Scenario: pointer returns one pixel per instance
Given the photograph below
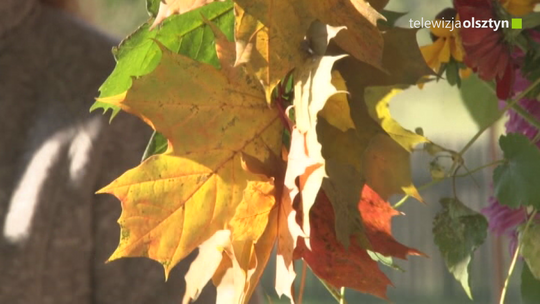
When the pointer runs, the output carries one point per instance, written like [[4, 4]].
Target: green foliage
[[187, 34], [515, 180], [531, 68], [458, 231], [152, 6], [156, 145], [530, 287], [530, 249], [479, 100]]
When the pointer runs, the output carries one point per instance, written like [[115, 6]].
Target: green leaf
[[480, 100], [530, 250], [156, 145], [531, 20], [516, 180], [531, 67], [530, 287], [385, 260], [186, 34], [152, 6], [452, 73], [458, 231]]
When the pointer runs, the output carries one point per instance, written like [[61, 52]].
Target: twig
[[302, 282], [436, 181], [514, 258]]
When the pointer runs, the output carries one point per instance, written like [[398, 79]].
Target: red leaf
[[352, 267]]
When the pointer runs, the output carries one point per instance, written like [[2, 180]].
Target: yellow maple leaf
[[270, 34], [175, 201]]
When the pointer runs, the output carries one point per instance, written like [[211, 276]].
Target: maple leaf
[[139, 55], [269, 39], [358, 140], [312, 90], [175, 201], [242, 251], [171, 7], [378, 148], [352, 267], [209, 257], [360, 155], [402, 62]]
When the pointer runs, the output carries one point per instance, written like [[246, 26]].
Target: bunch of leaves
[[204, 80]]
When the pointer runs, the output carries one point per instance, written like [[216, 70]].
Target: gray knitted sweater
[[55, 232]]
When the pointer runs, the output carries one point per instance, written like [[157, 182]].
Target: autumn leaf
[[139, 55], [288, 234], [382, 142], [364, 154], [270, 42], [175, 201], [378, 102], [312, 90], [209, 257], [352, 267], [171, 7], [402, 62]]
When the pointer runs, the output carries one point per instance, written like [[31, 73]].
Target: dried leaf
[[352, 267], [175, 201], [270, 41]]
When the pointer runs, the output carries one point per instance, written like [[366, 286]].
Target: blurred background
[[447, 119]]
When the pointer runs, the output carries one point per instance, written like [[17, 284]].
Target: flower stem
[[509, 104], [302, 282], [436, 181], [333, 292], [514, 258]]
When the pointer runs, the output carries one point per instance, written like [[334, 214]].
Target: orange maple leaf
[[352, 267]]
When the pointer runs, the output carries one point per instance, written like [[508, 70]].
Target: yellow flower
[[446, 45], [519, 7]]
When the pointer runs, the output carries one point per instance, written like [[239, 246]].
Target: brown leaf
[[269, 40]]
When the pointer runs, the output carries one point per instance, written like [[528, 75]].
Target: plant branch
[[436, 181], [333, 292], [302, 282], [514, 258], [509, 104]]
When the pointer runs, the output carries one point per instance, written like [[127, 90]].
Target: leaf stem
[[436, 181], [509, 104], [302, 282], [342, 293], [514, 258], [517, 108], [333, 292]]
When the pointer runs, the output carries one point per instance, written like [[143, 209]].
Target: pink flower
[[504, 221]]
